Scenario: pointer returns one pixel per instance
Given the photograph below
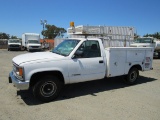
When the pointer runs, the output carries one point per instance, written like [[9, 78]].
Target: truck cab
[[148, 42], [14, 44], [144, 42], [33, 45]]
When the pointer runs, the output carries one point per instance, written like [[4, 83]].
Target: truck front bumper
[[19, 84], [19, 47]]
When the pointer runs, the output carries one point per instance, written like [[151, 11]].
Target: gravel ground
[[96, 100]]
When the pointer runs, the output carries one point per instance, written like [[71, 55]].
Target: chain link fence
[[3, 43]]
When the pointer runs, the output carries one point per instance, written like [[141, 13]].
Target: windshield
[[65, 47], [143, 40], [14, 41], [33, 41]]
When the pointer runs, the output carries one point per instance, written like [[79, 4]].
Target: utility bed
[[119, 59]]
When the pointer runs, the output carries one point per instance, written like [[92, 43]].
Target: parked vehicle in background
[[14, 44], [148, 42], [31, 41]]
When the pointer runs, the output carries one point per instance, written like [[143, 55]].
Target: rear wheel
[[132, 76], [48, 88]]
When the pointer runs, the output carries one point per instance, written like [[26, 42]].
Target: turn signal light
[[20, 72]]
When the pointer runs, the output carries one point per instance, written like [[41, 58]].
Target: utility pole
[[43, 23]]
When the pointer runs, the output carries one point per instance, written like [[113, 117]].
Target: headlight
[[18, 72]]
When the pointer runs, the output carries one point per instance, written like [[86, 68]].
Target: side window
[[89, 49]]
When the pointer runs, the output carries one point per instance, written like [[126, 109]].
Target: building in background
[[47, 44]]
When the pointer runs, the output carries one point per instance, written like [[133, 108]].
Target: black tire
[[48, 88], [8, 49], [132, 76], [158, 55]]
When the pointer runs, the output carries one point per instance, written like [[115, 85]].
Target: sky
[[23, 16]]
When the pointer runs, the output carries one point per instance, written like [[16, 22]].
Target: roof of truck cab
[[82, 39], [31, 33]]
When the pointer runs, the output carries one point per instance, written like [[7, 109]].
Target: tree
[[155, 35], [52, 31], [14, 37], [136, 36], [4, 36]]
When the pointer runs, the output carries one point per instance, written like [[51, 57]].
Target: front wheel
[[48, 88], [159, 55], [132, 76]]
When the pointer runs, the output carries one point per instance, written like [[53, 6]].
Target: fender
[[131, 65], [61, 66]]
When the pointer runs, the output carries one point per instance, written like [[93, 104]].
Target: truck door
[[88, 63]]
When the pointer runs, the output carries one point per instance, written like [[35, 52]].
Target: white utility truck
[[31, 41], [14, 44], [77, 60], [148, 42]]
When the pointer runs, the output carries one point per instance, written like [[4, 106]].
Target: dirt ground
[[108, 99]]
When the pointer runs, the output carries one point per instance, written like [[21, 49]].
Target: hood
[[14, 43], [140, 45], [38, 56], [29, 44]]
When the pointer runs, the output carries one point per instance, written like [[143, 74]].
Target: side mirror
[[77, 54]]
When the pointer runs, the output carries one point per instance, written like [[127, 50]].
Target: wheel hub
[[48, 89], [133, 76]]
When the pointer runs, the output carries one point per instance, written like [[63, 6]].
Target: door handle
[[101, 61]]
